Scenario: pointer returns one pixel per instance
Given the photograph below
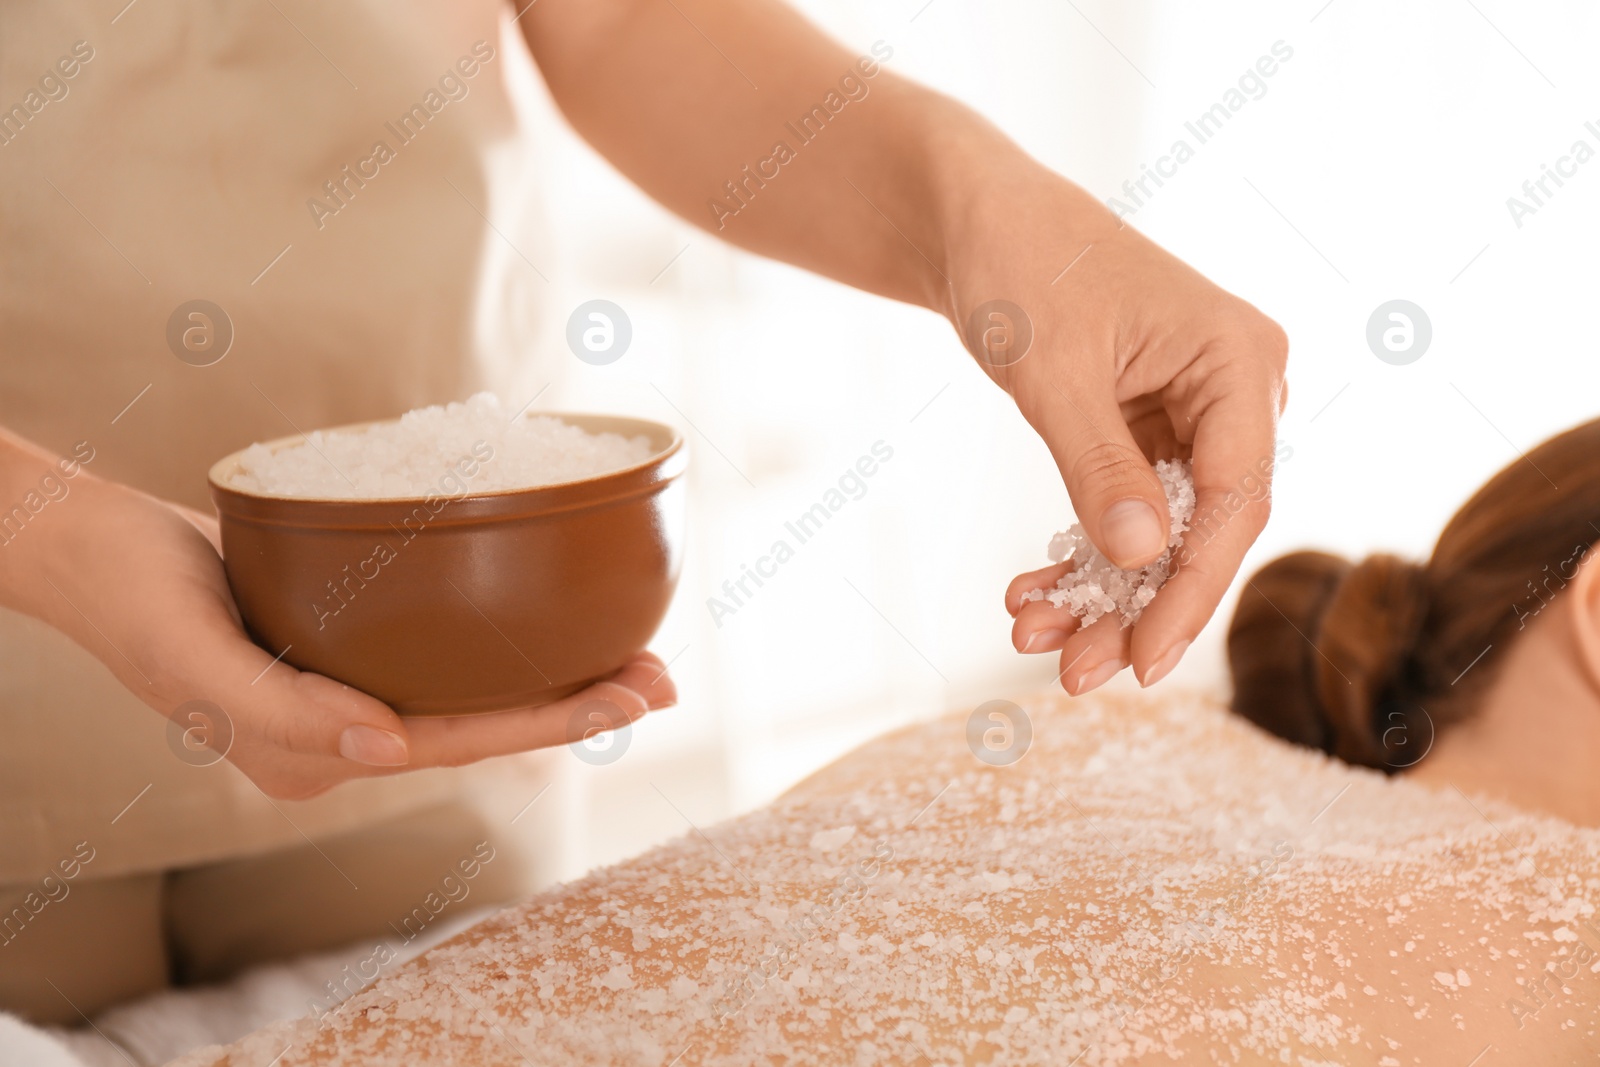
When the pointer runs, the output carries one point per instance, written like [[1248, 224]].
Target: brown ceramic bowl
[[476, 603]]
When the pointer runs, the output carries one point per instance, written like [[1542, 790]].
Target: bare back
[[1153, 880]]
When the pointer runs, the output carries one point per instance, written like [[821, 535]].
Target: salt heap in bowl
[[429, 450], [1095, 586]]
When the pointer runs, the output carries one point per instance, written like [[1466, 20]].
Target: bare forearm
[[743, 118], [35, 516]]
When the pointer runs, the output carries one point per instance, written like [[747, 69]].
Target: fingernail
[[1098, 677], [1043, 640], [372, 746], [1164, 665], [1131, 532], [624, 717]]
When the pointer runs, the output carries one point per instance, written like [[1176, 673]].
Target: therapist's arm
[[138, 583], [888, 186]]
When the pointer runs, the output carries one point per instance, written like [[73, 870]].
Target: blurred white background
[[1377, 165]]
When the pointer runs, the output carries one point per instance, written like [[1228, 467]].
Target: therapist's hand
[[1134, 357], [139, 583], [912, 195]]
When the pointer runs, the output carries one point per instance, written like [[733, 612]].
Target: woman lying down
[[1154, 880]]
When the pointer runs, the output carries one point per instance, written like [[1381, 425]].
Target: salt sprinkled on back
[[1095, 586], [1172, 884]]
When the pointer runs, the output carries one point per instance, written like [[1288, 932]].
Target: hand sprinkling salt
[[1095, 586]]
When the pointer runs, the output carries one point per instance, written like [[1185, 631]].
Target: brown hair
[[1365, 660]]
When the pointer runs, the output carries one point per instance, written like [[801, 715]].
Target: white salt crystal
[[828, 840], [997, 881], [618, 977], [1095, 586], [476, 446]]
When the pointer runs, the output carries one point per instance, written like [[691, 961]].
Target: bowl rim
[[675, 442]]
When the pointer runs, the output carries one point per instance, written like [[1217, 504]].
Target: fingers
[[1044, 578], [1093, 655], [647, 676], [1114, 490], [1090, 656], [1234, 454], [1042, 627], [638, 688]]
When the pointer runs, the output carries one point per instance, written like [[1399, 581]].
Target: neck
[[1534, 741]]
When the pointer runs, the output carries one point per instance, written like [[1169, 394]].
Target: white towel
[[22, 1045], [163, 1026]]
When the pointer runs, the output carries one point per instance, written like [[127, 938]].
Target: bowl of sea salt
[[460, 558]]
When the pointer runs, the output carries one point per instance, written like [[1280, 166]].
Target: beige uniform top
[[168, 151]]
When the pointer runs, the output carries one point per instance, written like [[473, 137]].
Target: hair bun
[[1320, 652]]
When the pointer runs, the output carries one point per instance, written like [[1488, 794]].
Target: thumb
[[1114, 490], [338, 719], [297, 713], [307, 733]]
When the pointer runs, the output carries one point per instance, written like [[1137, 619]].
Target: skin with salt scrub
[[1116, 898]]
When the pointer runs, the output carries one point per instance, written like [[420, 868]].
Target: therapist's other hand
[[1134, 356], [141, 586]]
